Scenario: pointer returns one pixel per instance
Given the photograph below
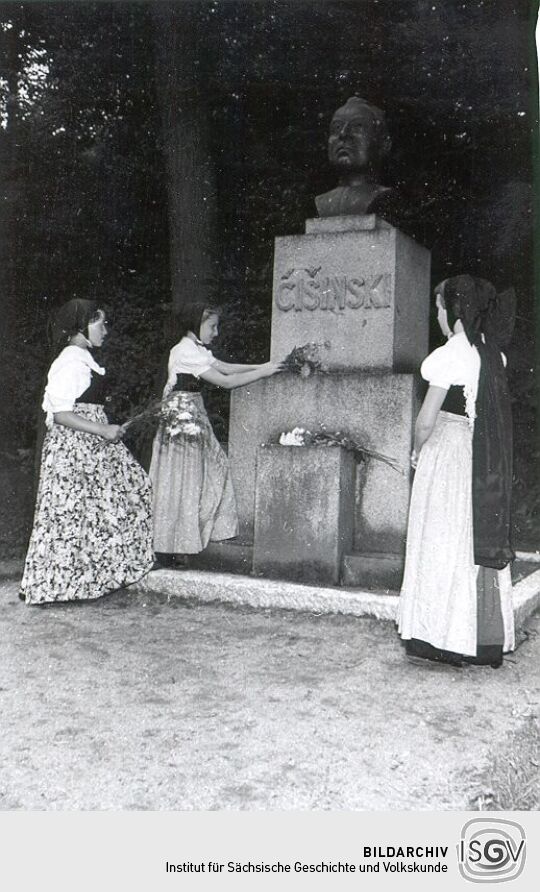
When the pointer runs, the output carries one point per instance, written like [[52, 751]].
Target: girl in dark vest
[[456, 599], [194, 500], [92, 529]]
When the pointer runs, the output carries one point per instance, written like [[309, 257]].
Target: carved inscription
[[298, 291]]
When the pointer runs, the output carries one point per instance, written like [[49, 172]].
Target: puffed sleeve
[[187, 358], [439, 368], [66, 380]]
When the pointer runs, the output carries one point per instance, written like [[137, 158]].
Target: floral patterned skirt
[[92, 530], [194, 499]]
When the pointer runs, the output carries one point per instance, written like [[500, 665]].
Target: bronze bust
[[357, 145]]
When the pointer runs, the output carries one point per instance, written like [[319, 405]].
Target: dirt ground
[[127, 704]]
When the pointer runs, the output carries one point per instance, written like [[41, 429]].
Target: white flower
[[293, 438], [191, 429]]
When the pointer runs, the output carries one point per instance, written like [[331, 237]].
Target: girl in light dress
[[456, 598], [92, 529], [193, 496]]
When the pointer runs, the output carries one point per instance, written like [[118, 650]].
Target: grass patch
[[512, 783]]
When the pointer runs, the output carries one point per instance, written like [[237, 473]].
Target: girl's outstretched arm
[[238, 379], [232, 368]]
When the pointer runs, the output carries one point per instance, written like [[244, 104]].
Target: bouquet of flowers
[[306, 359], [181, 418], [179, 414], [299, 436]]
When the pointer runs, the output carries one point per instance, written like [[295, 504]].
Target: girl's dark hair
[[471, 299], [192, 316], [70, 319]]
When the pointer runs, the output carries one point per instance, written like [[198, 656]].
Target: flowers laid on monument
[[179, 414], [306, 359], [295, 437], [299, 436]]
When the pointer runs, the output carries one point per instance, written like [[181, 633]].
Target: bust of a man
[[357, 145]]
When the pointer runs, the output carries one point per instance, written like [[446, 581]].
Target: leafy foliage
[[86, 187], [83, 176]]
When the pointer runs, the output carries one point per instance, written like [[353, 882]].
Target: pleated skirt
[[193, 495], [92, 531], [439, 595]]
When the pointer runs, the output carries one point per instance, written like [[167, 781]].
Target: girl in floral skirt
[[92, 529]]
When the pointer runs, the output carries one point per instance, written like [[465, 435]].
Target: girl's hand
[[270, 368], [112, 432], [414, 459]]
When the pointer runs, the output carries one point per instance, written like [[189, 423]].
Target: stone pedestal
[[358, 283], [363, 286], [303, 512], [377, 409]]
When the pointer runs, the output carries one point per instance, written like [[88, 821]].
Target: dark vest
[[188, 383], [96, 393], [454, 401]]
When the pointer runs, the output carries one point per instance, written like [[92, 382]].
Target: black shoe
[[424, 651], [487, 655], [22, 596], [180, 562], [163, 561]]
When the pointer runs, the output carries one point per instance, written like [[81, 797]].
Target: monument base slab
[[303, 512], [375, 572]]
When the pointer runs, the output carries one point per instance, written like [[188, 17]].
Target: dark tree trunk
[[180, 38], [11, 185]]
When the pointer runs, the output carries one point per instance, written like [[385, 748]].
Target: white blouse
[[187, 358], [69, 376], [457, 362]]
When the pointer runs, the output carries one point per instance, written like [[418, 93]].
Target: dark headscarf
[[72, 318], [488, 320]]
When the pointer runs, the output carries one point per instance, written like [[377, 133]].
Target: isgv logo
[[491, 851]]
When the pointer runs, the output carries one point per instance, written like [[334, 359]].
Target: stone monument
[[355, 281]]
